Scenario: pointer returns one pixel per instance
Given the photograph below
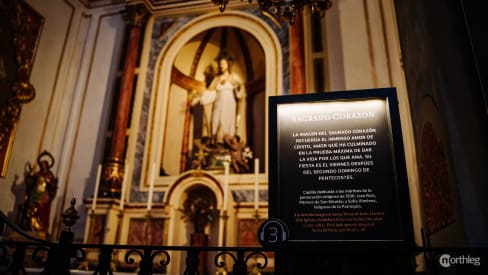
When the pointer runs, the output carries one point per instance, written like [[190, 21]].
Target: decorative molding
[[90, 4]]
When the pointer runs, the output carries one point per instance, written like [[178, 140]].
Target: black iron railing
[[32, 255], [46, 258], [58, 259]]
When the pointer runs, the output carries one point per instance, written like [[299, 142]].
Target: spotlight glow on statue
[[227, 111]]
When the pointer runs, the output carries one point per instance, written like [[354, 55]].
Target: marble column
[[113, 166], [297, 57]]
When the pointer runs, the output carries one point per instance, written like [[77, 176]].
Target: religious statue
[[238, 161], [221, 131], [40, 188], [200, 209], [228, 109], [204, 153]]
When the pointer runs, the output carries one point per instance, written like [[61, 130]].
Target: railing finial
[[70, 216]]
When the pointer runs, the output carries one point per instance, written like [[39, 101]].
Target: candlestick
[[256, 183], [151, 186], [97, 186], [226, 184], [124, 183]]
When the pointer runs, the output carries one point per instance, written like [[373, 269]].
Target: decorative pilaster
[[297, 56], [113, 167]]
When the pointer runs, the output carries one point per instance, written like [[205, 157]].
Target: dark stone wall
[[449, 117]]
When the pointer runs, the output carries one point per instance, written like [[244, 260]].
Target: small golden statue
[[40, 188]]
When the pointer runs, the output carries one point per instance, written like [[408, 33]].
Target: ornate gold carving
[[20, 27], [286, 9], [112, 177], [136, 15]]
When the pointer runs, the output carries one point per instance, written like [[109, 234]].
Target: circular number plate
[[273, 233]]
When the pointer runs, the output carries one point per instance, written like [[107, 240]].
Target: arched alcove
[[161, 137], [164, 49], [187, 188]]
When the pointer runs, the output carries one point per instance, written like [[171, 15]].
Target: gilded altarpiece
[[20, 28], [181, 59]]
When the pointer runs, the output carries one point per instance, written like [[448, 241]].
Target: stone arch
[[179, 232], [255, 26]]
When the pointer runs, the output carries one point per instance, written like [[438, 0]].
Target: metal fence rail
[[61, 258], [33, 255], [58, 259]]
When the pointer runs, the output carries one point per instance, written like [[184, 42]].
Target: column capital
[[136, 15]]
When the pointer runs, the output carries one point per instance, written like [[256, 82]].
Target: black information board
[[337, 168]]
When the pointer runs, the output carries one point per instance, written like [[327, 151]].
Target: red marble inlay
[[146, 232], [434, 176]]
